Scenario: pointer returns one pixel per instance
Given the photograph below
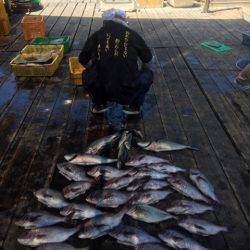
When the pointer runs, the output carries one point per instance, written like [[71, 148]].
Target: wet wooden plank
[[15, 171], [5, 67], [84, 27], [74, 22], [225, 113], [43, 165], [163, 34], [228, 162], [62, 21], [171, 27], [192, 113], [149, 31], [14, 115], [96, 22]]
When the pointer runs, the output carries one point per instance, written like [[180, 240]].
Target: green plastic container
[[52, 40]]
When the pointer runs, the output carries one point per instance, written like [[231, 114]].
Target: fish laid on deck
[[177, 240], [108, 198], [77, 188], [201, 227], [166, 168], [51, 198], [39, 236], [142, 160], [119, 183], [87, 159], [163, 145], [101, 144], [149, 214], [182, 186], [80, 211], [102, 224], [72, 172], [109, 172], [150, 197], [188, 207], [203, 184], [144, 172], [155, 184], [137, 184], [39, 219], [132, 236]]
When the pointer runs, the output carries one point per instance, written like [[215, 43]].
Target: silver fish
[[80, 211], [77, 188], [163, 145], [143, 160], [150, 197], [126, 140], [166, 168], [108, 198], [123, 155], [132, 236], [99, 145], [59, 246], [203, 184], [72, 172], [124, 146], [188, 207], [87, 159], [119, 183], [155, 184], [138, 183], [144, 172], [39, 219], [149, 214], [109, 172], [201, 227], [51, 198], [39, 236], [186, 189], [177, 240], [94, 232], [99, 225]]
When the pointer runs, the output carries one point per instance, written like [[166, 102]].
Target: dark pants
[[134, 99]]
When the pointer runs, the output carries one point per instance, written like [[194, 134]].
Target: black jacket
[[115, 49]]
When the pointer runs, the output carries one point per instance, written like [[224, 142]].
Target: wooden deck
[[193, 100]]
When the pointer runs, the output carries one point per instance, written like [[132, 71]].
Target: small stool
[[33, 26]]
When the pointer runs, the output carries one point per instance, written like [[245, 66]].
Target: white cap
[[114, 15]]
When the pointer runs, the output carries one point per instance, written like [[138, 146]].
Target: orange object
[[4, 26], [33, 26], [3, 13], [4, 20]]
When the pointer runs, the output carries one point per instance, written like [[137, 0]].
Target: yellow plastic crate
[[76, 70], [35, 70], [31, 49]]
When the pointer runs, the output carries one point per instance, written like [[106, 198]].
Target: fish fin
[[193, 148], [225, 229], [124, 243]]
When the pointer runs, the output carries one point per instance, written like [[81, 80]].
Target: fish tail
[[224, 229], [193, 148]]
